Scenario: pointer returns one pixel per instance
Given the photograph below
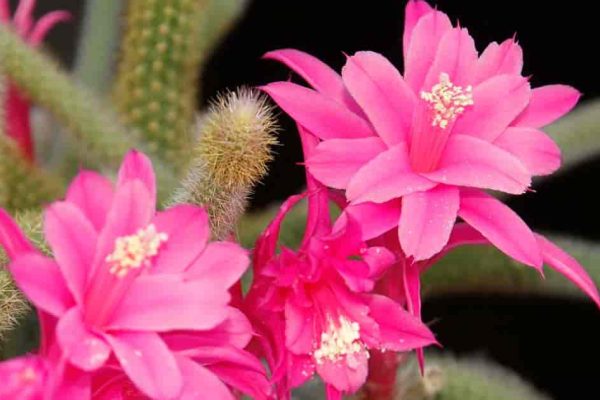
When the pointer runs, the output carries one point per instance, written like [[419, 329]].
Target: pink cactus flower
[[16, 105], [430, 141], [312, 306], [122, 274], [210, 362]]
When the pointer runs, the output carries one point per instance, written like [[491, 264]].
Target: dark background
[[552, 343]]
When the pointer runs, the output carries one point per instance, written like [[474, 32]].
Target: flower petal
[[496, 103], [499, 59], [560, 261], [148, 362], [222, 263], [318, 75], [83, 348], [426, 220], [501, 226], [299, 335], [380, 90], [469, 161], [165, 302], [132, 209], [322, 116], [421, 51], [388, 176], [373, 218], [40, 279], [72, 238], [188, 231], [455, 56], [93, 194], [547, 104], [12, 238], [399, 330], [415, 10], [199, 381], [335, 161], [346, 375], [536, 150], [137, 165]]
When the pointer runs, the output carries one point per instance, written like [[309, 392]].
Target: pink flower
[[16, 106], [429, 142], [122, 274], [311, 306], [210, 362]]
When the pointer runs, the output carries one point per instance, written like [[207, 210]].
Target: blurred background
[[551, 343]]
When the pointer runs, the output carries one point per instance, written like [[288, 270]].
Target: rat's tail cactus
[[234, 146], [138, 302]]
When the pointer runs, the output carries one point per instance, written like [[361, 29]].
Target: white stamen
[[447, 101], [341, 339], [135, 251]]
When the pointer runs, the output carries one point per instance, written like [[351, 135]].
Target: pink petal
[[83, 348], [536, 150], [149, 363], [455, 56], [501, 226], [237, 368], [421, 51], [415, 10], [464, 234], [23, 378], [506, 58], [373, 218], [73, 241], [45, 23], [222, 263], [547, 104], [41, 280], [318, 75], [299, 335], [12, 238], [335, 161], [188, 231], [331, 393], [301, 369], [23, 18], [469, 161], [560, 261], [131, 209], [165, 302], [322, 116], [266, 244], [400, 331], [4, 11], [388, 176], [496, 103], [137, 165], [379, 89], [426, 221], [346, 375], [199, 381], [93, 194]]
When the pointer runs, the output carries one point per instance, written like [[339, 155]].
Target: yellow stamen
[[135, 251], [447, 101]]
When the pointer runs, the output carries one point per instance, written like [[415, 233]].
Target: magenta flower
[[312, 308], [16, 106], [212, 362], [429, 142], [122, 274]]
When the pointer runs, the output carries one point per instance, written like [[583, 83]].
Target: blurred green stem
[[98, 43]]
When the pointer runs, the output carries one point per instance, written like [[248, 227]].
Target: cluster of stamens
[[135, 251], [341, 339], [447, 101]]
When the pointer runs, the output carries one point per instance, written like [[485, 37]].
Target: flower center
[[433, 122], [342, 338], [135, 251], [447, 101]]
